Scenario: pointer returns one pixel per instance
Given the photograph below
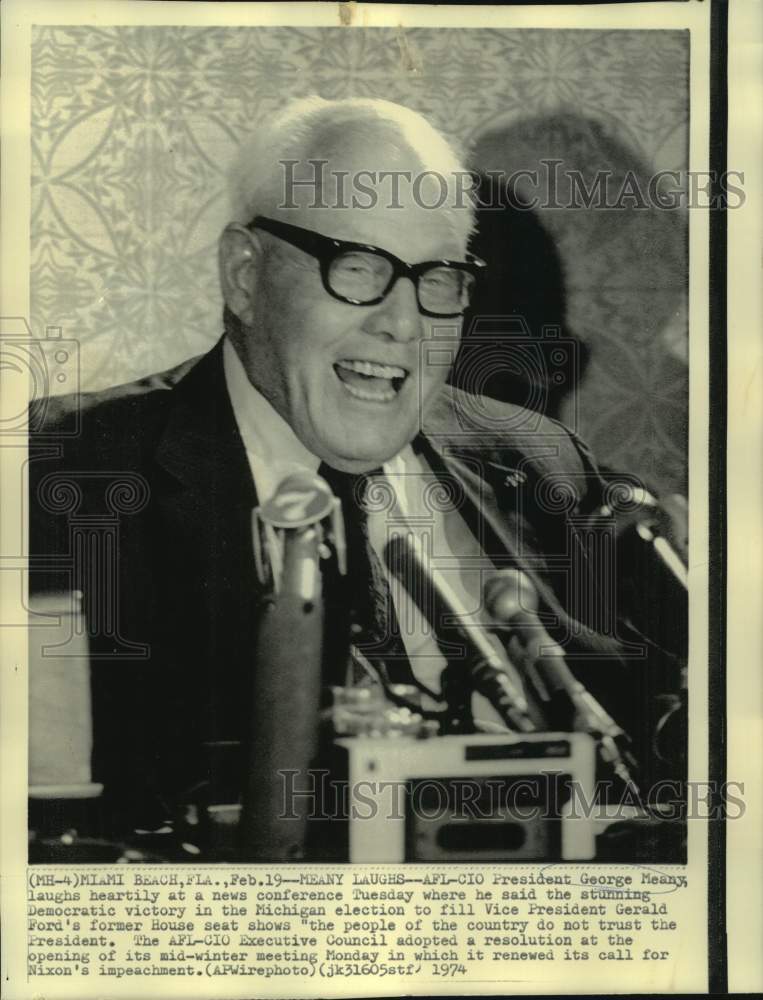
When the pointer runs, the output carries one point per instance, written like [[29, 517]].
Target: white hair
[[312, 128]]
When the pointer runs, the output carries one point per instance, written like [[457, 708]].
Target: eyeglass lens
[[365, 276]]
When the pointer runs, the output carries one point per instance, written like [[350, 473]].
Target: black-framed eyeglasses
[[364, 275]]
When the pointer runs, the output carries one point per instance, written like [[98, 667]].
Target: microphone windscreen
[[301, 498]]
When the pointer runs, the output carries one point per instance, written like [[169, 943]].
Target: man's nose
[[397, 316]]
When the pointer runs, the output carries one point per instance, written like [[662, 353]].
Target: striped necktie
[[365, 591]]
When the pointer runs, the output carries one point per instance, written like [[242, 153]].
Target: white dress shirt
[[413, 499]]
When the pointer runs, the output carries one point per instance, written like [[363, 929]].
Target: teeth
[[372, 368], [380, 396]]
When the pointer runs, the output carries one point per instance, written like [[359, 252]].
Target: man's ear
[[240, 256]]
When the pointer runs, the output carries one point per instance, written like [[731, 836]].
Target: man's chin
[[359, 446], [358, 459]]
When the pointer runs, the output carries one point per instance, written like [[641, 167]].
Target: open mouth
[[369, 380]]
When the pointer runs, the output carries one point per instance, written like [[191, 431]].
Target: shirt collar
[[272, 447]]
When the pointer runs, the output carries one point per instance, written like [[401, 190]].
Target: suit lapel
[[497, 478], [205, 496], [502, 536], [201, 446]]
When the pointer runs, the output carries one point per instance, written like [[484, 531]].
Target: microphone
[[484, 664], [289, 540], [511, 599], [642, 513], [649, 562]]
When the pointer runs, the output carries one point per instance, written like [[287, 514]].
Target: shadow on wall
[[583, 314], [517, 346]]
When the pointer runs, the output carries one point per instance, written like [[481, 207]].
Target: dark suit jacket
[[141, 496]]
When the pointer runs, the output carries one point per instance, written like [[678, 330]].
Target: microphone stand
[[287, 677], [480, 668], [511, 599], [457, 695]]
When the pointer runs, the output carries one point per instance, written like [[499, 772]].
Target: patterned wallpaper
[[132, 130]]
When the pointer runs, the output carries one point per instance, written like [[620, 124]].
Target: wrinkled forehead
[[372, 186]]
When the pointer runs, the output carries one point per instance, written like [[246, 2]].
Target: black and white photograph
[[376, 469], [365, 519]]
